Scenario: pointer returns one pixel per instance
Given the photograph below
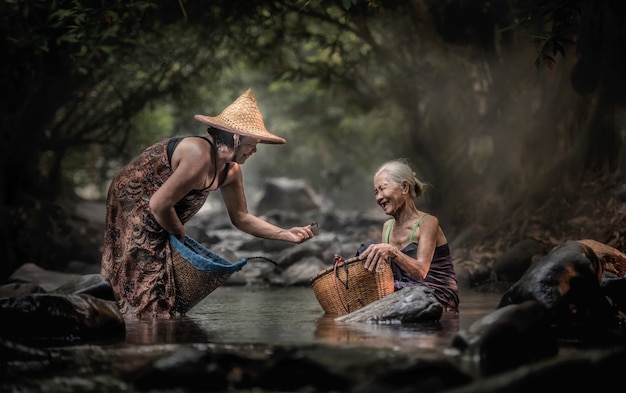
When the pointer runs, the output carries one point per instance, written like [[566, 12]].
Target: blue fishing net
[[204, 259]]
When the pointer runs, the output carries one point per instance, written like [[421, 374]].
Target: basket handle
[[344, 262], [339, 259]]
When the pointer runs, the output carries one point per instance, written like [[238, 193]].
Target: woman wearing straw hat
[[154, 195], [412, 241]]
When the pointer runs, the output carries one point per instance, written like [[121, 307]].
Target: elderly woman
[[154, 195], [412, 241]]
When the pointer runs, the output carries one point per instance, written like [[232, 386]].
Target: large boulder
[[52, 319], [89, 284], [506, 338], [567, 282], [409, 305]]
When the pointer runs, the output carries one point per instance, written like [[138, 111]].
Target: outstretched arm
[[235, 200]]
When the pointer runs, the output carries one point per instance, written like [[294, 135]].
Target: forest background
[[514, 111]]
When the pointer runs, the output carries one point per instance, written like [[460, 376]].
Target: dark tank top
[[441, 277], [173, 143]]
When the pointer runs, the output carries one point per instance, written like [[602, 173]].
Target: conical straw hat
[[244, 118]]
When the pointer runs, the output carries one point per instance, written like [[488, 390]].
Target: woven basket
[[346, 286], [193, 284]]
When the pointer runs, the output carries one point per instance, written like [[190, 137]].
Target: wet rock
[[90, 284], [292, 370], [50, 319], [506, 338], [191, 368], [19, 289], [425, 376], [412, 304], [572, 372], [201, 370], [566, 282]]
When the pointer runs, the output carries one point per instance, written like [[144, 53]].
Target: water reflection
[[426, 335], [241, 315], [173, 331]]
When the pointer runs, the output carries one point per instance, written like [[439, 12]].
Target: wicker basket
[[192, 272], [347, 286]]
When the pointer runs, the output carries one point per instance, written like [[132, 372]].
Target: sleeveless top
[[441, 277], [173, 142], [136, 254]]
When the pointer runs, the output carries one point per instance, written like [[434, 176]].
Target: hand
[[377, 254], [302, 234]]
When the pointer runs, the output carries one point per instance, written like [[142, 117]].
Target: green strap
[[389, 231], [415, 227], [417, 224]]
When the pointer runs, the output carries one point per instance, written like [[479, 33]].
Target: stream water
[[292, 316]]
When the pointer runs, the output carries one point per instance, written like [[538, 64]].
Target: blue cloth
[[204, 259]]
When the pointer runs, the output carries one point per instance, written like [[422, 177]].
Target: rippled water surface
[[292, 316]]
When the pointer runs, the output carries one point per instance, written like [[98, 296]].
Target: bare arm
[[427, 237], [234, 198], [190, 168]]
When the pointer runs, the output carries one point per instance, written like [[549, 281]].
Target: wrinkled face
[[388, 193], [244, 147]]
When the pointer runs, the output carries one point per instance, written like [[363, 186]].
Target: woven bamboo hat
[[244, 118]]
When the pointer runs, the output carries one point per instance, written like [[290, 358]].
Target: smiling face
[[244, 147], [388, 193]]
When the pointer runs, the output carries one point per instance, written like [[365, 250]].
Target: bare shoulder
[[430, 218], [433, 230], [192, 150], [193, 146], [430, 222]]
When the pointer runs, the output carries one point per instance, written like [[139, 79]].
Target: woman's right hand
[[377, 254], [301, 234]]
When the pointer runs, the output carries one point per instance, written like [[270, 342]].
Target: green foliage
[[562, 17], [349, 83], [81, 32]]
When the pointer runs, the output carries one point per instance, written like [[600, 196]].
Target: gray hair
[[399, 171]]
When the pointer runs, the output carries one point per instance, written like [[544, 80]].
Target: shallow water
[[292, 316]]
